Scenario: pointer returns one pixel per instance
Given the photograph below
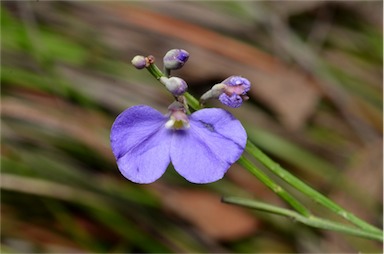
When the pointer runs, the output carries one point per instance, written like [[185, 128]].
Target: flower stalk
[[154, 70], [296, 183], [292, 201], [232, 92]]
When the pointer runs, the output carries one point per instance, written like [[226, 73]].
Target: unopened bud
[[231, 92], [140, 62], [175, 59], [175, 85]]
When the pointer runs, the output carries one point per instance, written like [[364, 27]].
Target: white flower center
[[178, 121]]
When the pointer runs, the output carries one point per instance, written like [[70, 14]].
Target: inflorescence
[[201, 146]]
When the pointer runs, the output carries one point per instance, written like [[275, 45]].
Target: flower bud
[[140, 62], [175, 59], [231, 92], [175, 85]]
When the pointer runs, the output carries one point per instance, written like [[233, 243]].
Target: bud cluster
[[231, 92]]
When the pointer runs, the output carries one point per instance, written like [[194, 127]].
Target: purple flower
[[234, 91], [201, 146]]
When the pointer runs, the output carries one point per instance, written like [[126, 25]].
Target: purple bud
[[231, 92], [140, 62], [237, 85], [175, 59], [235, 91], [175, 85]]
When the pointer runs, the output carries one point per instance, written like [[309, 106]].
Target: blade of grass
[[306, 189], [309, 221], [273, 186]]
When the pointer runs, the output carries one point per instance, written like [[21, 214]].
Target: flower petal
[[204, 152], [233, 101], [140, 143]]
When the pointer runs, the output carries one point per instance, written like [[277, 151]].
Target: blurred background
[[315, 107]]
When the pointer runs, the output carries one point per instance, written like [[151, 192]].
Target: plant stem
[[155, 71], [273, 186], [307, 190], [282, 173], [310, 221], [192, 101]]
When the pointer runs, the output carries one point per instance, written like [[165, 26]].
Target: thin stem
[[167, 72], [310, 221], [304, 188], [192, 101], [155, 71], [273, 186]]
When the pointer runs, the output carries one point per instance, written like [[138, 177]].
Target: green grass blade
[[306, 189], [309, 221], [273, 186]]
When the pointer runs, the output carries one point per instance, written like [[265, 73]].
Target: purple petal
[[204, 152], [238, 81], [141, 143], [233, 101]]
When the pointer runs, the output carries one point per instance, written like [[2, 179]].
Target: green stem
[[192, 101], [304, 188], [310, 221], [273, 186], [155, 71], [167, 72]]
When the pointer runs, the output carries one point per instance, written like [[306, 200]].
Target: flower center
[[178, 120]]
